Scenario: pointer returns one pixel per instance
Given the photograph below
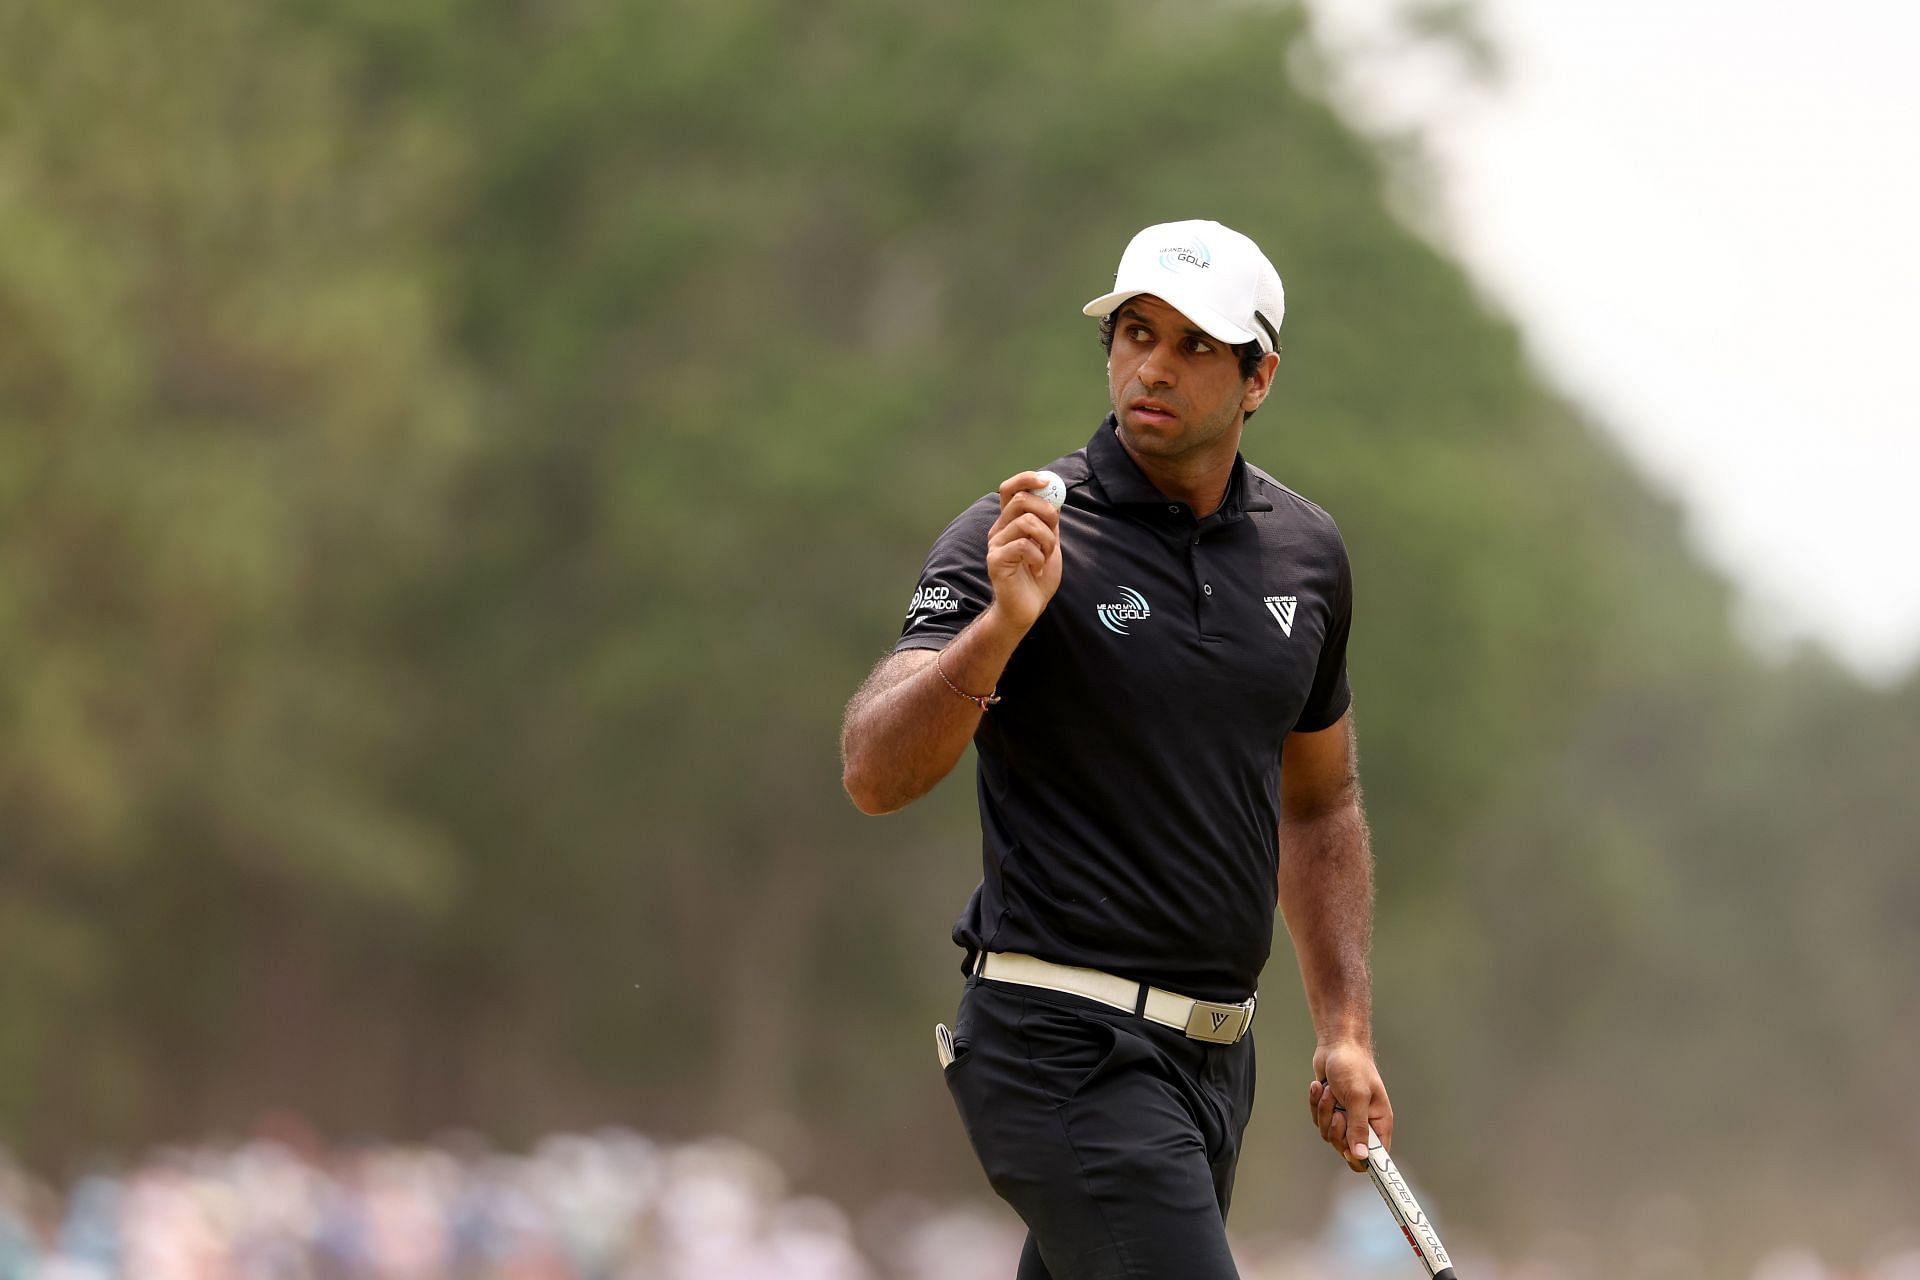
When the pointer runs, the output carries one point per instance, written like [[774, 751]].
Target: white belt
[[1208, 1020]]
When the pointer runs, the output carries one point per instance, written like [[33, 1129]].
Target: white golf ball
[[1052, 490]]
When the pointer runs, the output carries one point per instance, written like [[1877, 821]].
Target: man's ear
[[1260, 383]]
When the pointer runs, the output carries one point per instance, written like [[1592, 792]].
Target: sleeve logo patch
[[931, 601], [1283, 608]]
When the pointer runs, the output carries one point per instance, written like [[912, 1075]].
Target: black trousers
[[1114, 1138]]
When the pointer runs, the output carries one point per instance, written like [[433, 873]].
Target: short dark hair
[[1249, 352]]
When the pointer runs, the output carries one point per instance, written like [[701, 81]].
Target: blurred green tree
[[461, 456]]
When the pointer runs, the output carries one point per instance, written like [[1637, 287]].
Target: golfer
[[1154, 678]]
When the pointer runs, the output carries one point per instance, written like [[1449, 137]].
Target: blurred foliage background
[[457, 458]]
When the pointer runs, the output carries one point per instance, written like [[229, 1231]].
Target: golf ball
[[1053, 490]]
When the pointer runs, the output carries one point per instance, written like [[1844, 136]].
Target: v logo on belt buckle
[[1210, 1020], [1218, 1023]]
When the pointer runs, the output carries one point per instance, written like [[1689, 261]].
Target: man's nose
[[1157, 369]]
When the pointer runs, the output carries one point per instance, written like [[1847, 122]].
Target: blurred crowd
[[609, 1206]]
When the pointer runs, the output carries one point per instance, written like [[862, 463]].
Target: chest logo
[[1283, 608], [1130, 607]]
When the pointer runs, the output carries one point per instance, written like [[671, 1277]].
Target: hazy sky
[[1706, 216]]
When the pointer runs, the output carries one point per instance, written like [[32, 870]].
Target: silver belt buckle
[[1218, 1023]]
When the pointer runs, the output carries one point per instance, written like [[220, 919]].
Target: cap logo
[[1181, 256]]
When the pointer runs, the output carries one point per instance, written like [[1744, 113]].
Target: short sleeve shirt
[[1128, 780]]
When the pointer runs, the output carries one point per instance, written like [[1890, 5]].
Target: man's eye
[[1137, 334], [1200, 347]]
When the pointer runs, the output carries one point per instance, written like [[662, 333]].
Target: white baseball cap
[[1210, 273]]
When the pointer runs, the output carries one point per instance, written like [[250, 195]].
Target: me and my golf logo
[[1180, 257], [935, 599], [1130, 607]]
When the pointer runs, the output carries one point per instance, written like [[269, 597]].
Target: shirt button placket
[[1203, 587]]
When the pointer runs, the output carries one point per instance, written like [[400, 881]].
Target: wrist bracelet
[[981, 700]]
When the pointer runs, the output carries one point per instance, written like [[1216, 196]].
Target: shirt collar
[[1124, 484]]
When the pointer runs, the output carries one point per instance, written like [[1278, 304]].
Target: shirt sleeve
[[953, 589], [1329, 697]]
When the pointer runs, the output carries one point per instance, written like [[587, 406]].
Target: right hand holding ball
[[1023, 547]]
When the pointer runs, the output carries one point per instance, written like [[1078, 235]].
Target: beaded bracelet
[[981, 700]]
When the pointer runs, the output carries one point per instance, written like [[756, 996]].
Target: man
[[1155, 679]]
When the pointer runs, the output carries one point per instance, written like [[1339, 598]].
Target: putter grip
[[1407, 1211]]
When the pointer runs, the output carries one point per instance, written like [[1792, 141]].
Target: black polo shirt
[[1129, 777]]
